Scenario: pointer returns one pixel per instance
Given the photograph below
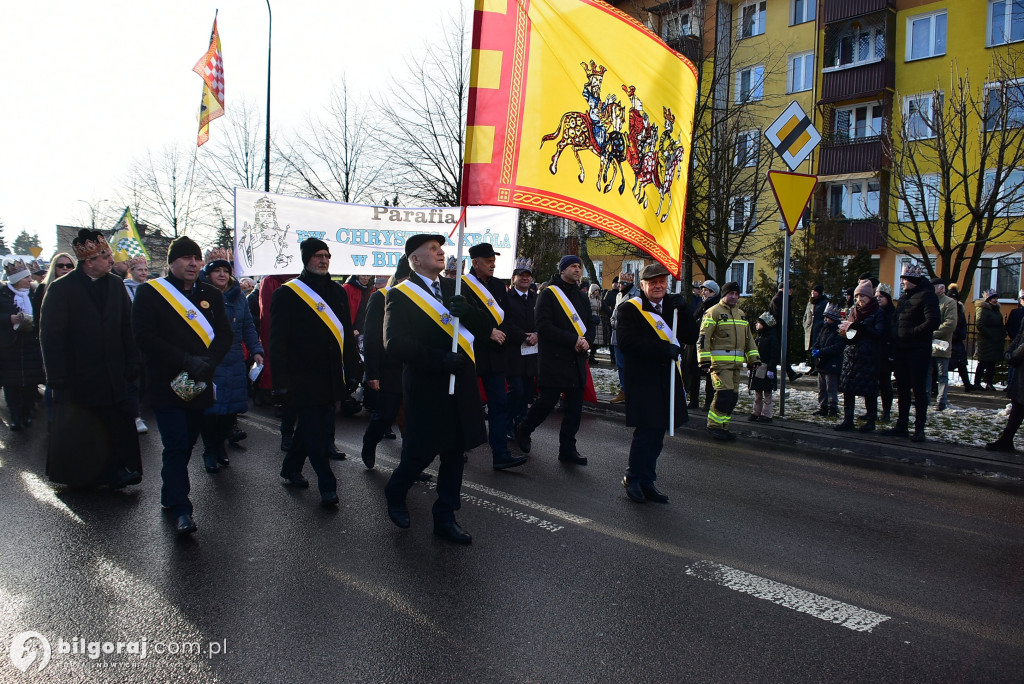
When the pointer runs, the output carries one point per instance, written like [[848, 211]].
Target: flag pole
[[673, 368], [460, 227]]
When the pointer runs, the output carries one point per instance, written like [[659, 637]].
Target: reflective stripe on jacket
[[725, 338]]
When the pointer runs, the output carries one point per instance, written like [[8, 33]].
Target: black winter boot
[[847, 423]]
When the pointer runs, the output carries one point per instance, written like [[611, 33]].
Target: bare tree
[[236, 158], [956, 168], [422, 130], [164, 190]]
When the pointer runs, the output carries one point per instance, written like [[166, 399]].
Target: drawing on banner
[[598, 130], [264, 234]]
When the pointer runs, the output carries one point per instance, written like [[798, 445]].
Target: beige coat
[[947, 311]]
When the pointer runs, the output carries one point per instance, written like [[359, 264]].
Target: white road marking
[[842, 614]]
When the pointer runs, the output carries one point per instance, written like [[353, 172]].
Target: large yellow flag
[[578, 110]]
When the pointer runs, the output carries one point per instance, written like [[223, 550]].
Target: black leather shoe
[[573, 458], [237, 435], [1000, 445], [633, 490], [523, 439], [295, 480], [651, 493], [335, 454], [390, 435], [124, 477], [184, 524], [507, 460], [14, 425], [210, 461], [719, 433], [895, 431], [224, 460], [399, 514], [424, 477], [452, 532], [328, 499], [764, 419], [369, 456]]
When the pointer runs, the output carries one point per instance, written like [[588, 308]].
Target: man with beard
[[564, 343], [91, 359]]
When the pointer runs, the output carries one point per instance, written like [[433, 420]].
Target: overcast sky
[[90, 86]]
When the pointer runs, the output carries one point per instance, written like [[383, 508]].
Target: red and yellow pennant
[[578, 110], [211, 68]]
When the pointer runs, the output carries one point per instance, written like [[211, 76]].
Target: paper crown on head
[[912, 271], [885, 289], [449, 264], [37, 267], [834, 312], [137, 260], [523, 265], [767, 319], [218, 254], [990, 294], [16, 270], [89, 244]]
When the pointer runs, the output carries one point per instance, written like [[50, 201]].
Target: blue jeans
[[497, 412], [314, 433], [179, 430], [643, 454], [942, 378], [620, 361]]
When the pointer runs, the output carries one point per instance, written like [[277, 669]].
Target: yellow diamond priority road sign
[[793, 135]]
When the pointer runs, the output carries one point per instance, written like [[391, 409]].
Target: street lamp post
[[266, 152]]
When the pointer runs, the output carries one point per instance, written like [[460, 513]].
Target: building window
[[922, 199], [746, 148], [750, 84], [1004, 105], [1009, 194], [633, 266], [859, 45], [920, 118], [741, 213], [854, 200], [742, 272], [861, 121], [752, 15], [1005, 21], [800, 75], [803, 10], [675, 25], [1000, 273], [926, 36]]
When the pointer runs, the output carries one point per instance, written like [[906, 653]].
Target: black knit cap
[[311, 246], [403, 271], [731, 287], [182, 247]]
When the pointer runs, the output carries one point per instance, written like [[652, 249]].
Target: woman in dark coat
[[883, 295], [859, 376], [764, 381], [1015, 392], [991, 334], [231, 375], [958, 357], [21, 361]]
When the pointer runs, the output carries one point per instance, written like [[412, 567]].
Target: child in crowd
[[828, 354], [762, 381]]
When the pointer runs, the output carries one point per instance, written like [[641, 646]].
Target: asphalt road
[[767, 566]]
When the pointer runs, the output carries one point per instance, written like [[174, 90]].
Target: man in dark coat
[[521, 345], [917, 318], [564, 343], [316, 364], [90, 358], [651, 353], [183, 333], [775, 309], [418, 332], [21, 362], [814, 318], [485, 291]]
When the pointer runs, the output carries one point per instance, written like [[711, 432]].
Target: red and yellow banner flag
[[578, 110], [211, 68]]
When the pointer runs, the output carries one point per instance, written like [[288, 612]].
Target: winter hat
[[885, 289], [218, 258], [182, 247], [653, 271], [567, 261], [819, 288], [954, 291], [990, 294], [731, 287], [413, 243], [864, 288], [311, 246], [711, 285], [832, 311], [767, 319]]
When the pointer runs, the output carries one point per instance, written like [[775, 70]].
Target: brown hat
[[653, 271], [864, 288]]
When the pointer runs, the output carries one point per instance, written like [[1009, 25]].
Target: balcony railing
[[851, 156], [857, 81], [841, 10], [851, 236], [689, 47]]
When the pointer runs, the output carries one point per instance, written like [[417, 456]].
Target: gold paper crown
[[16, 270], [138, 260], [219, 254], [89, 245], [593, 69], [523, 264], [37, 266]]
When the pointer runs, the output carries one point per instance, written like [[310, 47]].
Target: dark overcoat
[[887, 340], [521, 316], [918, 317], [769, 349], [831, 343], [232, 374], [166, 340], [859, 375], [648, 362], [991, 331], [21, 362], [307, 361], [1015, 357], [560, 365], [490, 356], [435, 421], [379, 364]]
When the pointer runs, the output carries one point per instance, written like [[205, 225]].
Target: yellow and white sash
[[570, 310], [437, 312], [662, 328], [320, 308], [186, 309], [484, 296]]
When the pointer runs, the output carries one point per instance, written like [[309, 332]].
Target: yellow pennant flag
[[578, 110]]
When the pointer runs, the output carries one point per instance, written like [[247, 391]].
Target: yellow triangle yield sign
[[793, 194]]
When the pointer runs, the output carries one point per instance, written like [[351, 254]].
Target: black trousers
[[911, 366], [215, 431], [382, 417], [573, 414], [449, 480], [314, 433], [643, 454]]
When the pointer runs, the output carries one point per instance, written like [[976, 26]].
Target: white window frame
[[809, 11], [869, 128], [921, 102], [864, 190], [923, 208], [746, 148], [679, 19], [858, 58], [1007, 23], [749, 211], [897, 286], [756, 83], [1016, 116], [1014, 259], [760, 16], [932, 18], [1006, 204], [633, 266], [747, 281], [798, 64]]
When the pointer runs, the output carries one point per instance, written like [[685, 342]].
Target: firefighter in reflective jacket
[[725, 343]]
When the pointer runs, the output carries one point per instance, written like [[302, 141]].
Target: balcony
[[851, 236], [841, 10], [851, 156], [689, 47], [857, 81]]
